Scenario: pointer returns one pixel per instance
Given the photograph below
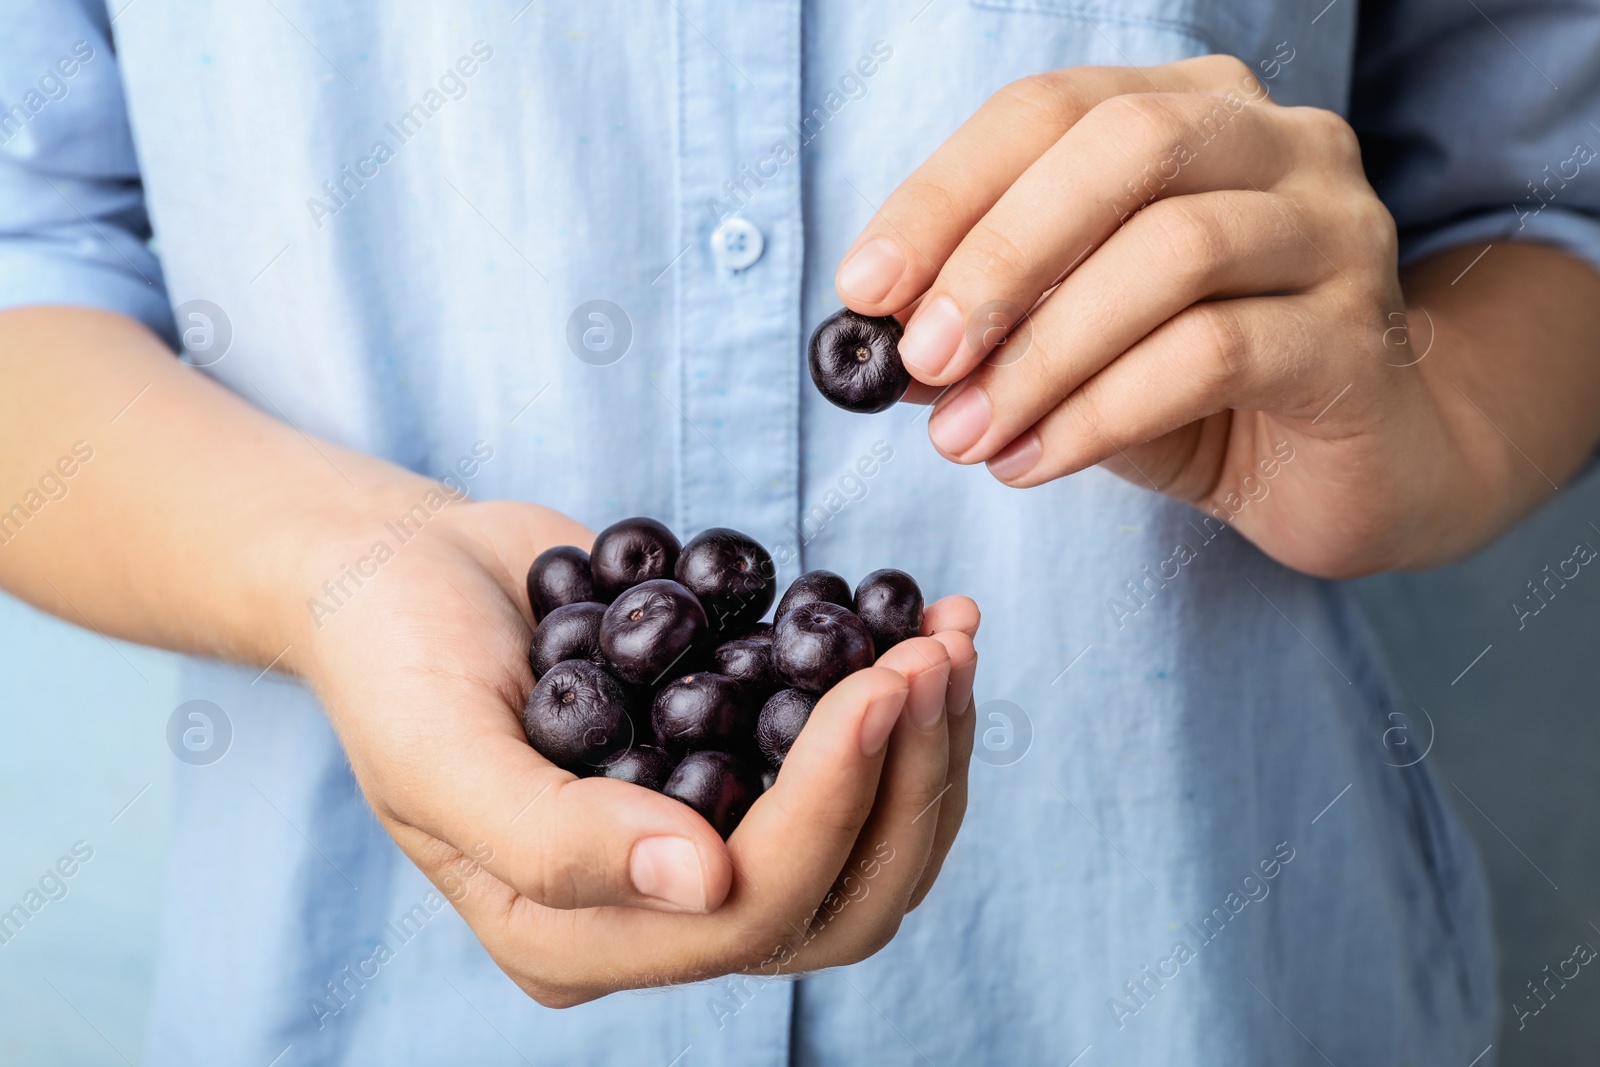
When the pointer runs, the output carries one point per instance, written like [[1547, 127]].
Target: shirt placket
[[739, 281], [737, 287]]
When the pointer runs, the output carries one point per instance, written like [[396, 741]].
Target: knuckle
[[1048, 99], [1377, 228], [1077, 436], [1221, 69], [555, 880], [929, 195], [1333, 137], [558, 875], [991, 253], [1144, 120], [1188, 241], [1216, 340]]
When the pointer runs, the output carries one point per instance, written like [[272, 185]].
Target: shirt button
[[736, 244]]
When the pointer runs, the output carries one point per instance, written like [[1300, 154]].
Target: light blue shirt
[[1201, 828]]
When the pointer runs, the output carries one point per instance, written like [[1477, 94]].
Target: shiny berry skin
[[651, 630], [719, 786], [629, 552], [571, 631], [731, 574], [813, 586], [855, 361], [816, 645], [890, 603], [577, 716], [643, 765], [782, 717], [703, 710], [748, 661], [559, 576]]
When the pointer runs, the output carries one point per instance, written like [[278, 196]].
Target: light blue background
[[84, 733]]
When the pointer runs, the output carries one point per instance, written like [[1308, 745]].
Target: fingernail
[[878, 723], [959, 422], [668, 869], [1017, 458], [871, 272], [932, 337]]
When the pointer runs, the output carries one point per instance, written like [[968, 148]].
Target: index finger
[[900, 252]]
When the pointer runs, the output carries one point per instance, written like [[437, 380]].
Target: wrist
[[328, 556], [1470, 476]]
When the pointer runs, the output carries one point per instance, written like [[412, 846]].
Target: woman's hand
[[1219, 317], [582, 887]]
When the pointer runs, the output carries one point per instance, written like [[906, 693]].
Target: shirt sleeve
[[73, 224], [1477, 120]]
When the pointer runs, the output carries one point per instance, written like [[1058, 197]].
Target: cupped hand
[[1162, 271], [582, 887]]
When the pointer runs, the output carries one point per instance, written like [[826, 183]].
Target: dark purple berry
[[780, 722], [814, 586], [890, 603], [748, 661], [769, 778], [650, 630], [855, 361], [703, 711], [731, 574], [719, 786], [642, 765], [629, 552], [816, 645], [577, 716], [571, 631], [559, 576]]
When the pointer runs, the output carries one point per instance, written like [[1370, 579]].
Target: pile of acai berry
[[653, 666]]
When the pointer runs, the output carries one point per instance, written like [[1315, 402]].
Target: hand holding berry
[[1163, 272], [584, 886]]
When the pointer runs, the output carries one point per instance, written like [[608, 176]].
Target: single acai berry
[[890, 603], [704, 710], [577, 716], [559, 576], [731, 574], [571, 631], [643, 765], [855, 361], [814, 586], [650, 630], [719, 786], [816, 645], [629, 552], [748, 661], [780, 722]]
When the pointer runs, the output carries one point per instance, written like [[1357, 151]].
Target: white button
[[736, 244]]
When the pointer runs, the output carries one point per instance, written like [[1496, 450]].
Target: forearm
[[193, 523], [1513, 363]]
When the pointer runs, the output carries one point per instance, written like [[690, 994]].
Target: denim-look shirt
[[1196, 835]]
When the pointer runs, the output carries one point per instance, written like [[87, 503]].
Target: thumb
[[565, 842]]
